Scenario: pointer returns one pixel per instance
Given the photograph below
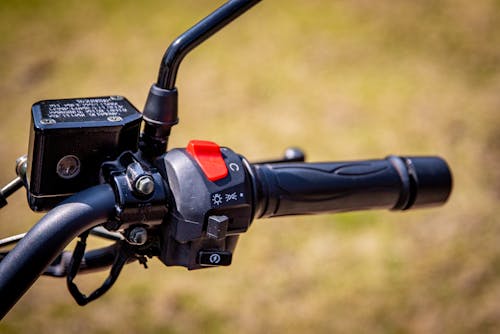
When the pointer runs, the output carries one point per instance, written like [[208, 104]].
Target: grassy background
[[341, 79]]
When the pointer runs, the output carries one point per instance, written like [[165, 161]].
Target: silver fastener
[[145, 185], [47, 121], [114, 119], [116, 98]]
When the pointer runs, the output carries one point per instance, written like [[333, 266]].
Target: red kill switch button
[[208, 156]]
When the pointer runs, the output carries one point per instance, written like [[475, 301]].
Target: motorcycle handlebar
[[396, 183], [45, 241], [279, 189]]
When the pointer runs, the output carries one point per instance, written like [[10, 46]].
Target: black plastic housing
[[186, 235], [70, 139]]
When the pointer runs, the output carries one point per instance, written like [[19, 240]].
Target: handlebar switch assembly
[[70, 139], [210, 204]]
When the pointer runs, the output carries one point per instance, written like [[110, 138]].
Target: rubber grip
[[396, 183]]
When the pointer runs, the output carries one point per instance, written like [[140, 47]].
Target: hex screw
[[145, 185], [137, 236]]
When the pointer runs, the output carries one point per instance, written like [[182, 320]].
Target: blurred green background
[[341, 79]]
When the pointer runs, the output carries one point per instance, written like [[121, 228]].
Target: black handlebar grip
[[395, 183]]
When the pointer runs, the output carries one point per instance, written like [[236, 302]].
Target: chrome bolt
[[145, 185], [138, 236]]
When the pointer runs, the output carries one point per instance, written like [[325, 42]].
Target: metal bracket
[[141, 195]]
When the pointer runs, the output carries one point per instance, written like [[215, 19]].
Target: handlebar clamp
[[139, 189]]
